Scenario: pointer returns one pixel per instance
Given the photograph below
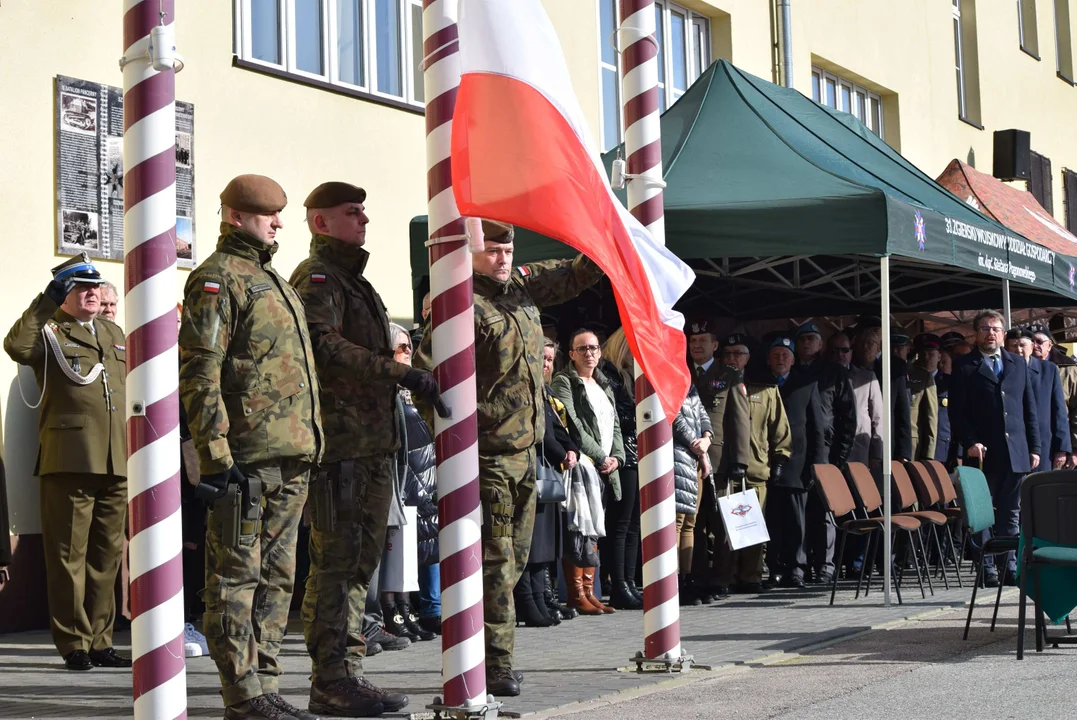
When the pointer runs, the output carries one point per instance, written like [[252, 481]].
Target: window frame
[[1028, 39], [411, 78], [959, 61], [697, 58], [821, 77]]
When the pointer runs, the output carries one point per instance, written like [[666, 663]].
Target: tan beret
[[254, 194], [497, 232], [331, 194]]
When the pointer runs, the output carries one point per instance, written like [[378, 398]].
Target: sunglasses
[[404, 347]]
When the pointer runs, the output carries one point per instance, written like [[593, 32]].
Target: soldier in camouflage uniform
[[350, 496], [248, 383], [511, 416], [82, 460]]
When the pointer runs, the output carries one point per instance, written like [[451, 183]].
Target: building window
[[1040, 183], [966, 61], [845, 95], [374, 46], [684, 42], [1069, 198], [1026, 27], [1063, 40]]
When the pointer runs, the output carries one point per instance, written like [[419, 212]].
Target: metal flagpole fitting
[[452, 326], [153, 456], [643, 148]]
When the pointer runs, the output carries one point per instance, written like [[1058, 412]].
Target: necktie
[[781, 381], [996, 366], [699, 371]]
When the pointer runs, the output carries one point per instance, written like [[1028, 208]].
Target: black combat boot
[[501, 681], [394, 623], [411, 622]]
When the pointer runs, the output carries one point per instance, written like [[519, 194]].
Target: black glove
[[776, 467], [210, 488], [425, 386], [737, 473], [57, 290]]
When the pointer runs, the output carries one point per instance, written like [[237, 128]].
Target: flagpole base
[[490, 710], [679, 664]]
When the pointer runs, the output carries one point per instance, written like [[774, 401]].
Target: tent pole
[[1006, 303], [787, 43], [884, 278]]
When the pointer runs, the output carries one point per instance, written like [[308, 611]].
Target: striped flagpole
[[153, 446], [643, 149], [463, 645]]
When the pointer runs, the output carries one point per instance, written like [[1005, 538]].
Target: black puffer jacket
[[624, 397], [420, 481], [690, 424]]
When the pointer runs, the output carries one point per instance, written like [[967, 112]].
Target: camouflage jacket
[[508, 348], [349, 328], [247, 376], [82, 427]]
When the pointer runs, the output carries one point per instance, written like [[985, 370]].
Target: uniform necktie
[[781, 380], [699, 371], [996, 366]]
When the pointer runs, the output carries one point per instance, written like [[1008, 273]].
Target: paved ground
[[580, 661], [915, 669]]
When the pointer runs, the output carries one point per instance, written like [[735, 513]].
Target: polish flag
[[522, 154]]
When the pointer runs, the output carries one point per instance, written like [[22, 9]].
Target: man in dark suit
[[994, 417], [788, 487], [1051, 413]]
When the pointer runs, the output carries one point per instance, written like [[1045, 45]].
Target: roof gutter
[[787, 43]]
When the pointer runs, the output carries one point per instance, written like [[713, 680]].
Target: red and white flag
[[522, 153]]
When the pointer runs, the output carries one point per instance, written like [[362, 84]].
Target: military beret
[[737, 339], [254, 194], [498, 232], [927, 341], [1019, 332], [899, 340], [1038, 328], [952, 338], [334, 193], [808, 328], [701, 327], [783, 342], [78, 269]]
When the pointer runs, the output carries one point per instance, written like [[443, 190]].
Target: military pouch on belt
[[239, 510], [322, 505]]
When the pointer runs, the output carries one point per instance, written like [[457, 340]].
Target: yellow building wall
[[245, 122]]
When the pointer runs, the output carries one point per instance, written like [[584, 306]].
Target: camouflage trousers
[[249, 588], [349, 503], [507, 494]]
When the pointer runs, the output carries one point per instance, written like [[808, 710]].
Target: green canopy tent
[[780, 203]]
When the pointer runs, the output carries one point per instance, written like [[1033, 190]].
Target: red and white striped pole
[[658, 513], [452, 307], [153, 446]]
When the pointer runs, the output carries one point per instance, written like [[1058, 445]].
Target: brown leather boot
[[574, 585], [589, 590]]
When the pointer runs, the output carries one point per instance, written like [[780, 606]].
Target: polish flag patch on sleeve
[[524, 270], [317, 277], [211, 287]]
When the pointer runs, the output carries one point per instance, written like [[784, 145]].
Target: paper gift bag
[[742, 515], [400, 571]]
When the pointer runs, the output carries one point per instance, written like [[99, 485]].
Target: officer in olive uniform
[[721, 389], [248, 383], [350, 496], [771, 446], [80, 362], [508, 364], [924, 398]]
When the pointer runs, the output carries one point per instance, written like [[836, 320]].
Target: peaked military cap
[[927, 341], [783, 342], [1038, 328], [953, 338], [736, 339], [78, 269], [702, 326], [899, 340], [498, 232], [254, 194], [334, 193], [1019, 332], [808, 328]]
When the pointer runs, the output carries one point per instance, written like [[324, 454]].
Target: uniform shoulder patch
[[743, 390], [317, 277], [523, 270], [212, 287]]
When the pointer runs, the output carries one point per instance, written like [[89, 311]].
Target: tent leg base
[[680, 664]]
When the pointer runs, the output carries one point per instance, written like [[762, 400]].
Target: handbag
[[742, 516], [550, 482]]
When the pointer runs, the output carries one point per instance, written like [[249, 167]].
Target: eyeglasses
[[991, 328], [404, 348], [587, 349], [1041, 342]]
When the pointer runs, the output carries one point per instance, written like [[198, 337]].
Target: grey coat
[[689, 425], [569, 388]]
